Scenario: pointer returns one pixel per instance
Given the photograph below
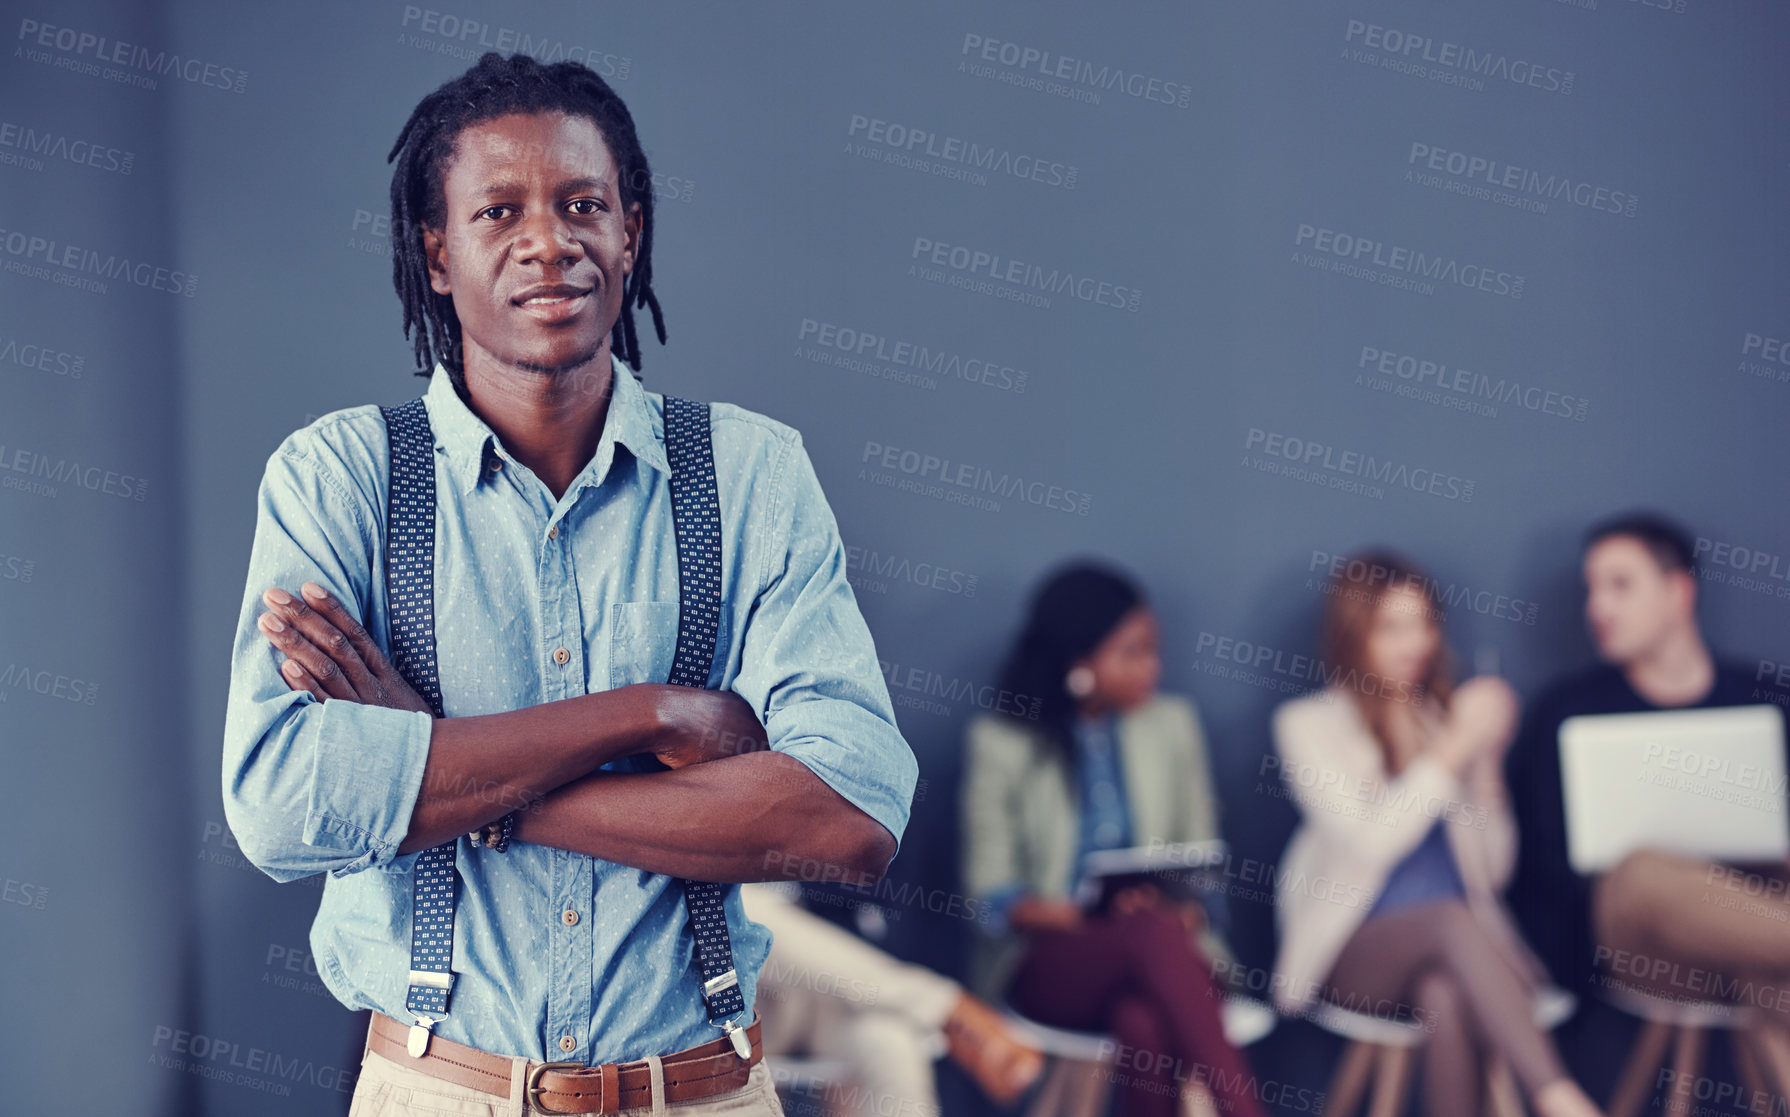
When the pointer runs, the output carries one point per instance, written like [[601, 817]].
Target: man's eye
[[495, 213], [589, 205]]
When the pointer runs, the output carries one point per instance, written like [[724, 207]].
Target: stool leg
[[1687, 1066], [1350, 1080], [1645, 1057], [1392, 1082], [1048, 1101], [1749, 1062], [1773, 1050], [1086, 1084], [1197, 1101], [1502, 1097]]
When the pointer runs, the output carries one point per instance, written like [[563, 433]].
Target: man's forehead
[[569, 145]]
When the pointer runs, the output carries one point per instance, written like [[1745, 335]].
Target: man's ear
[[435, 253], [632, 224]]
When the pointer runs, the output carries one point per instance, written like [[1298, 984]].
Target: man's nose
[[546, 238]]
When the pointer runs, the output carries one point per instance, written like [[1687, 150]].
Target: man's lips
[[552, 304]]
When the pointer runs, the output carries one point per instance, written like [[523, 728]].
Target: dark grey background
[[129, 915]]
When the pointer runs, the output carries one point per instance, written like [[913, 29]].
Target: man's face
[[1631, 604], [535, 246]]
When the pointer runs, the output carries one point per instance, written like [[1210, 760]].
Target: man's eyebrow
[[590, 184]]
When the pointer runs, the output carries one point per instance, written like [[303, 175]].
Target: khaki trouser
[[389, 1089]]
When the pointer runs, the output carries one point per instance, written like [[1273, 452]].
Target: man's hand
[[698, 725], [328, 652], [331, 655]]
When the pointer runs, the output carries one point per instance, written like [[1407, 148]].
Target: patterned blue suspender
[[410, 593], [410, 590], [696, 513]]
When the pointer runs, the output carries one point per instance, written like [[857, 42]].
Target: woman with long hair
[[1082, 753], [1398, 776]]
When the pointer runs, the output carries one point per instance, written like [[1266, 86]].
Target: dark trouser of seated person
[[1091, 757], [534, 708], [1677, 927], [1397, 775]]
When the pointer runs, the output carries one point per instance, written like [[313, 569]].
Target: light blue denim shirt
[[328, 787]]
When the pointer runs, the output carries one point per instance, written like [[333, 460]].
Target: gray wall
[[1264, 139]]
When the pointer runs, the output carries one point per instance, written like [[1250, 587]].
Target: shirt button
[[568, 917], [560, 655], [553, 532], [566, 1043]]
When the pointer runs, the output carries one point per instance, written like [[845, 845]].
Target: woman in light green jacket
[[1085, 754]]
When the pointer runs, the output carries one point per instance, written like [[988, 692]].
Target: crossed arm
[[727, 809]]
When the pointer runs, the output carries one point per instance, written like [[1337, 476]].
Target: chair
[[1379, 1056], [1079, 1077], [1684, 1026]]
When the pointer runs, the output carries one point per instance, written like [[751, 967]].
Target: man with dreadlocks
[[576, 796]]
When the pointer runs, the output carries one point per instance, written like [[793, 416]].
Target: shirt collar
[[472, 445]]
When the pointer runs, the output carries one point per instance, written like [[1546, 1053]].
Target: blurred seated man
[[1678, 927], [825, 992]]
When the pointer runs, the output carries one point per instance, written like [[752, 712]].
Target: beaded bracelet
[[495, 835]]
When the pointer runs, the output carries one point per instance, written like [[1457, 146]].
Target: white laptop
[[1703, 782]]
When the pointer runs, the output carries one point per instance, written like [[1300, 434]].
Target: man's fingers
[[325, 637], [317, 666], [331, 609], [299, 679]]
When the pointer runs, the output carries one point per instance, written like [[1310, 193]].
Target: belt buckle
[[534, 1083]]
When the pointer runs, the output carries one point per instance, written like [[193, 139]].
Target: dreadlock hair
[[497, 86]]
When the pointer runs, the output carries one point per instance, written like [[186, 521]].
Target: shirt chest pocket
[[643, 642]]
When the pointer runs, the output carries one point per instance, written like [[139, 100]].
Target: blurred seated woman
[[1398, 775], [1082, 754]]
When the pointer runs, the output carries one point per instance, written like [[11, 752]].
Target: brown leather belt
[[696, 1072]]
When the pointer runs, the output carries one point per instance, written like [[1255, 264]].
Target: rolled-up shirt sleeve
[[808, 663], [312, 786]]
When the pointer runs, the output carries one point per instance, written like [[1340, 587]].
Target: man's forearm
[[481, 768], [759, 816]]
